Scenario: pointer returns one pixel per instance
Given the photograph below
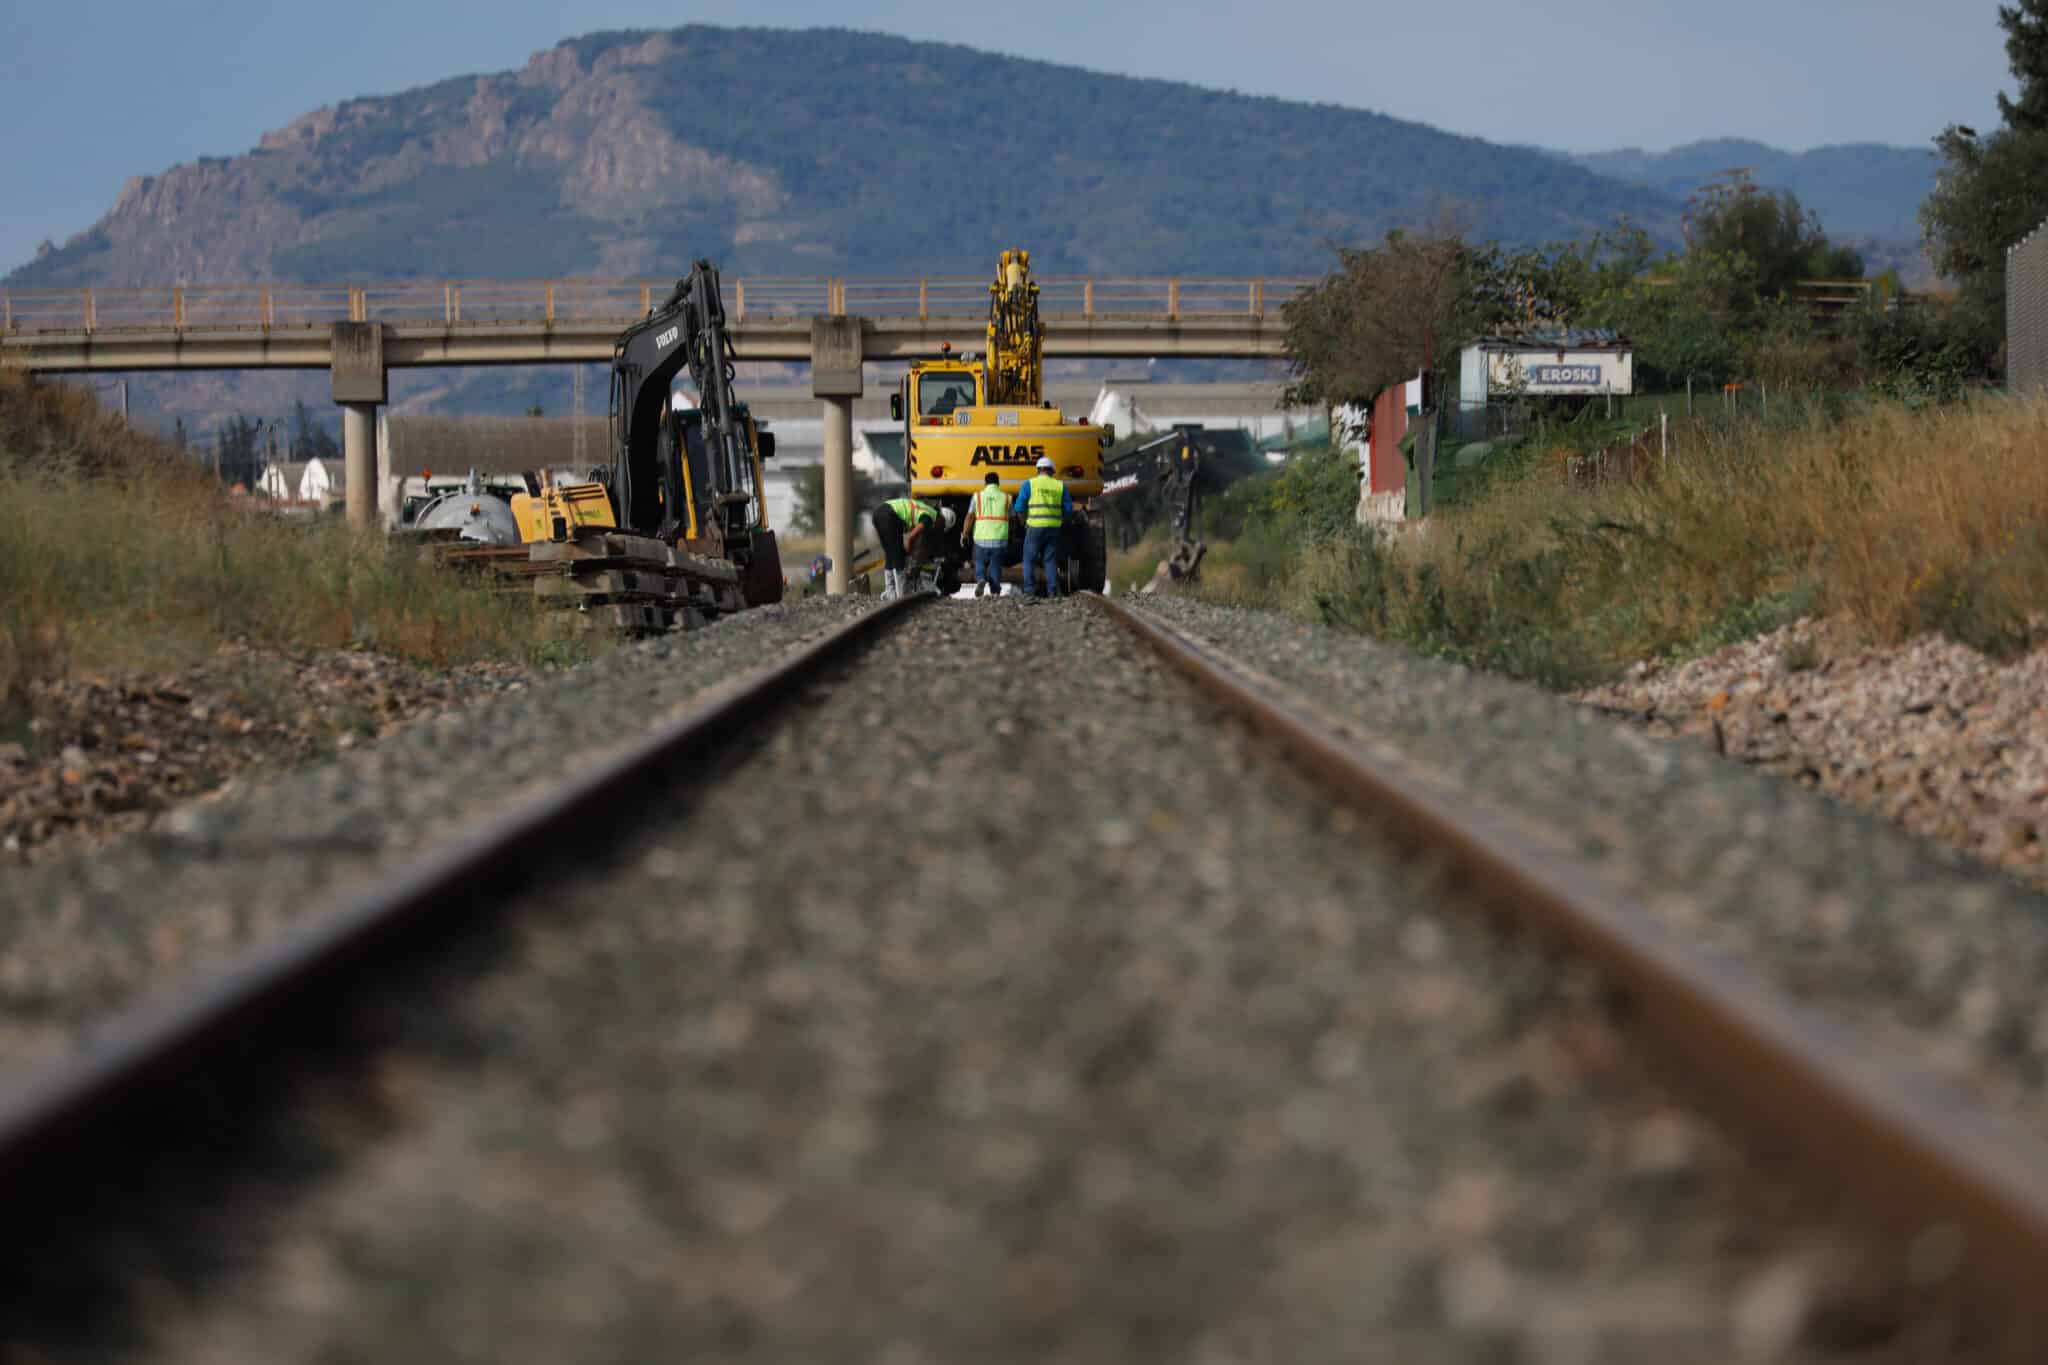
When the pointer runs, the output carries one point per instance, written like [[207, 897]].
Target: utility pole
[[576, 414]]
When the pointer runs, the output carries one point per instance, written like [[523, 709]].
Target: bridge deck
[[486, 322]]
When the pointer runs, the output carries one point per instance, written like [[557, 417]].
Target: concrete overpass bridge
[[486, 322], [359, 332]]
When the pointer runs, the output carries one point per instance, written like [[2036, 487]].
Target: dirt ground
[[104, 754]]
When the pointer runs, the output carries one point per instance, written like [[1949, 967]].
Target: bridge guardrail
[[616, 302]]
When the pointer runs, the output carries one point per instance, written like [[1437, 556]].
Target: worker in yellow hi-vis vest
[[1045, 504], [900, 524], [988, 518]]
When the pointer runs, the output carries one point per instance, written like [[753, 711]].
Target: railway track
[[998, 1062]]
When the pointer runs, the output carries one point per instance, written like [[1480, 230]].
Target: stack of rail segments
[[632, 583], [611, 580]]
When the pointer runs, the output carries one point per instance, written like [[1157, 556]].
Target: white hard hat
[[947, 513], [1045, 463]]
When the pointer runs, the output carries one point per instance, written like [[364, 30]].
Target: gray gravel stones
[[83, 937], [1929, 734], [1904, 940], [1002, 1003]]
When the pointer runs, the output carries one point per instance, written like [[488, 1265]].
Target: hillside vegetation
[[815, 152], [1859, 189], [115, 553], [1903, 521]]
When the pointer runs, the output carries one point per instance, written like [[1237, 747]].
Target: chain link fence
[[2026, 313]]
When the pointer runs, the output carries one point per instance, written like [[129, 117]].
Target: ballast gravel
[[1001, 1002], [81, 938], [1909, 942]]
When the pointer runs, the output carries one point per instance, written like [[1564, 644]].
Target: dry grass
[[114, 552], [1901, 521]]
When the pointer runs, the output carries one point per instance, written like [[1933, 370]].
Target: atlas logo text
[[1006, 454]]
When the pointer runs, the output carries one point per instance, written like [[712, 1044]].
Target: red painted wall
[[1389, 425]]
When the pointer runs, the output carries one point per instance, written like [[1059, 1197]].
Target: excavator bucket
[[762, 582]]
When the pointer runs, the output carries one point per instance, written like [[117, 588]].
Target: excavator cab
[[938, 392]]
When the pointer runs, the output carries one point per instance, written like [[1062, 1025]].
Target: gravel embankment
[[82, 937], [1000, 1004], [110, 753], [1905, 940], [1931, 735]]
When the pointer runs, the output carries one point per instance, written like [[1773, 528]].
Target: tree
[[1384, 313], [2026, 51], [237, 451], [311, 440], [1779, 242], [1371, 323], [1989, 193], [807, 518], [1992, 190]]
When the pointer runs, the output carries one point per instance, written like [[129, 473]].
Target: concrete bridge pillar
[[836, 356], [839, 509], [359, 387], [359, 461]]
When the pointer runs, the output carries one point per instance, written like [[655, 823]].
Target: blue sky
[[144, 84]]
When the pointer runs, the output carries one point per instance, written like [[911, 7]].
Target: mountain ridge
[[850, 153], [1867, 190]]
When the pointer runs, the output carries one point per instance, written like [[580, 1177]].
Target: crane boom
[[1016, 336]]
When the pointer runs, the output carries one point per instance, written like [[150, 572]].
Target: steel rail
[[139, 1050], [1904, 1145]]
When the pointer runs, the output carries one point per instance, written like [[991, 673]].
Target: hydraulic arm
[[677, 473], [1016, 341], [1169, 469]]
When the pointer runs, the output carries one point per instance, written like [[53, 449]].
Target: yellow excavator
[[965, 416]]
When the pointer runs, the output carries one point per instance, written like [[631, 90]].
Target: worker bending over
[[1045, 504], [988, 517], [900, 524]]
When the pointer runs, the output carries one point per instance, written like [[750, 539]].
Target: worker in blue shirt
[[1045, 504]]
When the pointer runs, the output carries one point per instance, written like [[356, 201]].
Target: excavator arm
[[1169, 467], [1016, 336], [672, 478]]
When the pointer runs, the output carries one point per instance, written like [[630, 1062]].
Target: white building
[[1143, 409], [322, 480], [800, 444], [280, 480], [1560, 362]]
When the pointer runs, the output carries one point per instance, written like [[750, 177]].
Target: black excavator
[[686, 475], [1166, 472]]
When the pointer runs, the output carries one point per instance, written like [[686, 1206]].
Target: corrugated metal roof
[[1559, 339], [492, 445]]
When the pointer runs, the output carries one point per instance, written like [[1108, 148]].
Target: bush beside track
[[1898, 520]]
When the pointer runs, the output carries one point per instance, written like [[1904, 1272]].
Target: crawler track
[[1919, 1157]]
